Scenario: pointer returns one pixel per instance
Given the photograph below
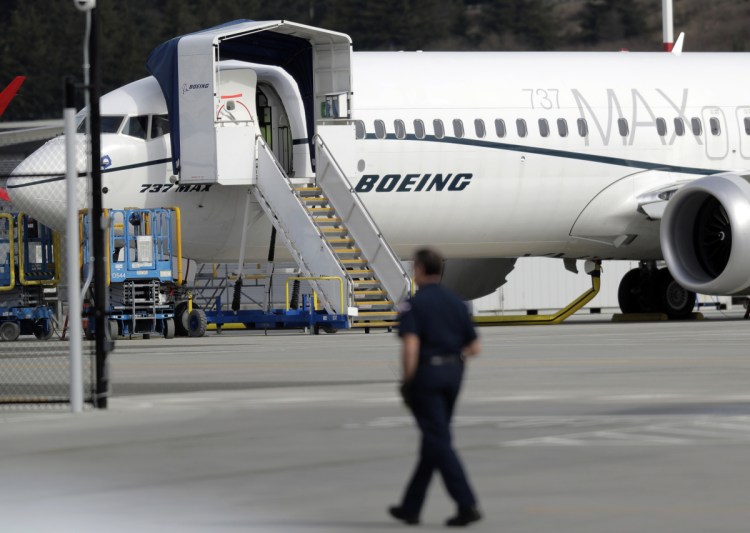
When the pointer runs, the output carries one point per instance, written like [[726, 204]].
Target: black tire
[[635, 295], [674, 300], [10, 331], [169, 328], [114, 329], [43, 329], [197, 323], [330, 330], [181, 319]]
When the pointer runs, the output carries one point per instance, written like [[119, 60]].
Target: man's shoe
[[464, 517], [399, 514]]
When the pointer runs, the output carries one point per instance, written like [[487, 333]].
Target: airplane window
[[380, 129], [458, 128], [136, 127], [159, 126], [359, 129], [521, 127], [544, 127], [583, 127], [500, 127], [679, 126], [697, 126], [109, 124], [437, 124], [562, 127], [622, 125], [419, 129], [479, 128], [715, 126], [747, 125], [661, 126], [400, 129]]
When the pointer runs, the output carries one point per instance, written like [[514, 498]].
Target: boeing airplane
[[486, 156]]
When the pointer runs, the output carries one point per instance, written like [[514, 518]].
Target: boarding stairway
[[332, 237]]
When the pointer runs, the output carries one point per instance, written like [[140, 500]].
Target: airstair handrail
[[299, 233], [398, 287]]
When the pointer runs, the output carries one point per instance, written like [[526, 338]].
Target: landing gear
[[648, 290]]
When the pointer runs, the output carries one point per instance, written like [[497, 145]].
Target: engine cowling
[[705, 235]]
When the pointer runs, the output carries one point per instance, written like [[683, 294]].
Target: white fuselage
[[566, 188]]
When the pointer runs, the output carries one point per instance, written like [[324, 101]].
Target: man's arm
[[473, 349], [409, 355]]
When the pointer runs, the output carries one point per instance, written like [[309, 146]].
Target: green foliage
[[603, 20]]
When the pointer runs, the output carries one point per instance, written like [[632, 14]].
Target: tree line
[[43, 39]]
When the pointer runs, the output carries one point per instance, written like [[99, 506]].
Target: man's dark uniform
[[442, 322]]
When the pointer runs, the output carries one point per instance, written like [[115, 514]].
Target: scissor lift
[[29, 262], [143, 250]]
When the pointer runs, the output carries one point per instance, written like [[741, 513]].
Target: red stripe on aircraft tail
[[9, 92]]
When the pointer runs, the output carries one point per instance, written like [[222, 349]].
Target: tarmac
[[585, 427]]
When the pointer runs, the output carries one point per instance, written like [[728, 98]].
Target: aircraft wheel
[[635, 294], [169, 328], [675, 300], [43, 329], [197, 323], [9, 331], [330, 330]]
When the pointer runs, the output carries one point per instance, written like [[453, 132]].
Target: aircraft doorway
[[715, 133], [274, 125], [743, 122]]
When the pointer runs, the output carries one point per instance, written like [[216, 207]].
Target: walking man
[[437, 335]]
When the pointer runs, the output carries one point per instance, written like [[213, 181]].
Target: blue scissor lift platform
[[144, 252], [29, 262]]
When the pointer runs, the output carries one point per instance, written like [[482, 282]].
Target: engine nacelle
[[705, 235]]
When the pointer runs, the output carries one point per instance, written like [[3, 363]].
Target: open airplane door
[[212, 110]]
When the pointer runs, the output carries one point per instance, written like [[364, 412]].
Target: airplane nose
[[37, 185]]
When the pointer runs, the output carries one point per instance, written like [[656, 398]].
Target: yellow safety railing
[[315, 295], [56, 258], [556, 318], [11, 252], [178, 238]]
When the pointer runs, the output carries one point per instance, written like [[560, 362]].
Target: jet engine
[[705, 235]]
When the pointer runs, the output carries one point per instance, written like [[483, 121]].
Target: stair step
[[315, 200], [376, 324], [333, 230], [327, 220], [373, 303], [340, 240], [358, 271], [315, 210], [307, 188], [342, 251], [359, 282], [371, 292], [360, 261], [382, 315]]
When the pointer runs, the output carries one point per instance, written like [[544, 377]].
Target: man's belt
[[438, 360]]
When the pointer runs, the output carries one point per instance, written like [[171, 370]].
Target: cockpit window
[[136, 127], [109, 124], [159, 126]]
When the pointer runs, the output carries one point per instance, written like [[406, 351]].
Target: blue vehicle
[[29, 262], [143, 251]]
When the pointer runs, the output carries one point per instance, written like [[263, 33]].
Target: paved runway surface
[[587, 427]]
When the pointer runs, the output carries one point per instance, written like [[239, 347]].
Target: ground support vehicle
[[29, 263], [143, 270]]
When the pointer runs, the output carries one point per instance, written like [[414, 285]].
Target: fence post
[[73, 274]]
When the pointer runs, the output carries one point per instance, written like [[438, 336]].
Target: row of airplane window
[[522, 129]]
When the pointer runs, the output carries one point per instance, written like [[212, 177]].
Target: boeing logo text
[[413, 182]]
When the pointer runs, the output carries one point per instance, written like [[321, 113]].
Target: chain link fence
[[34, 357], [36, 373]]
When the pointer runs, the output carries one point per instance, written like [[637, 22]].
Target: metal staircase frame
[[331, 178], [297, 230]]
